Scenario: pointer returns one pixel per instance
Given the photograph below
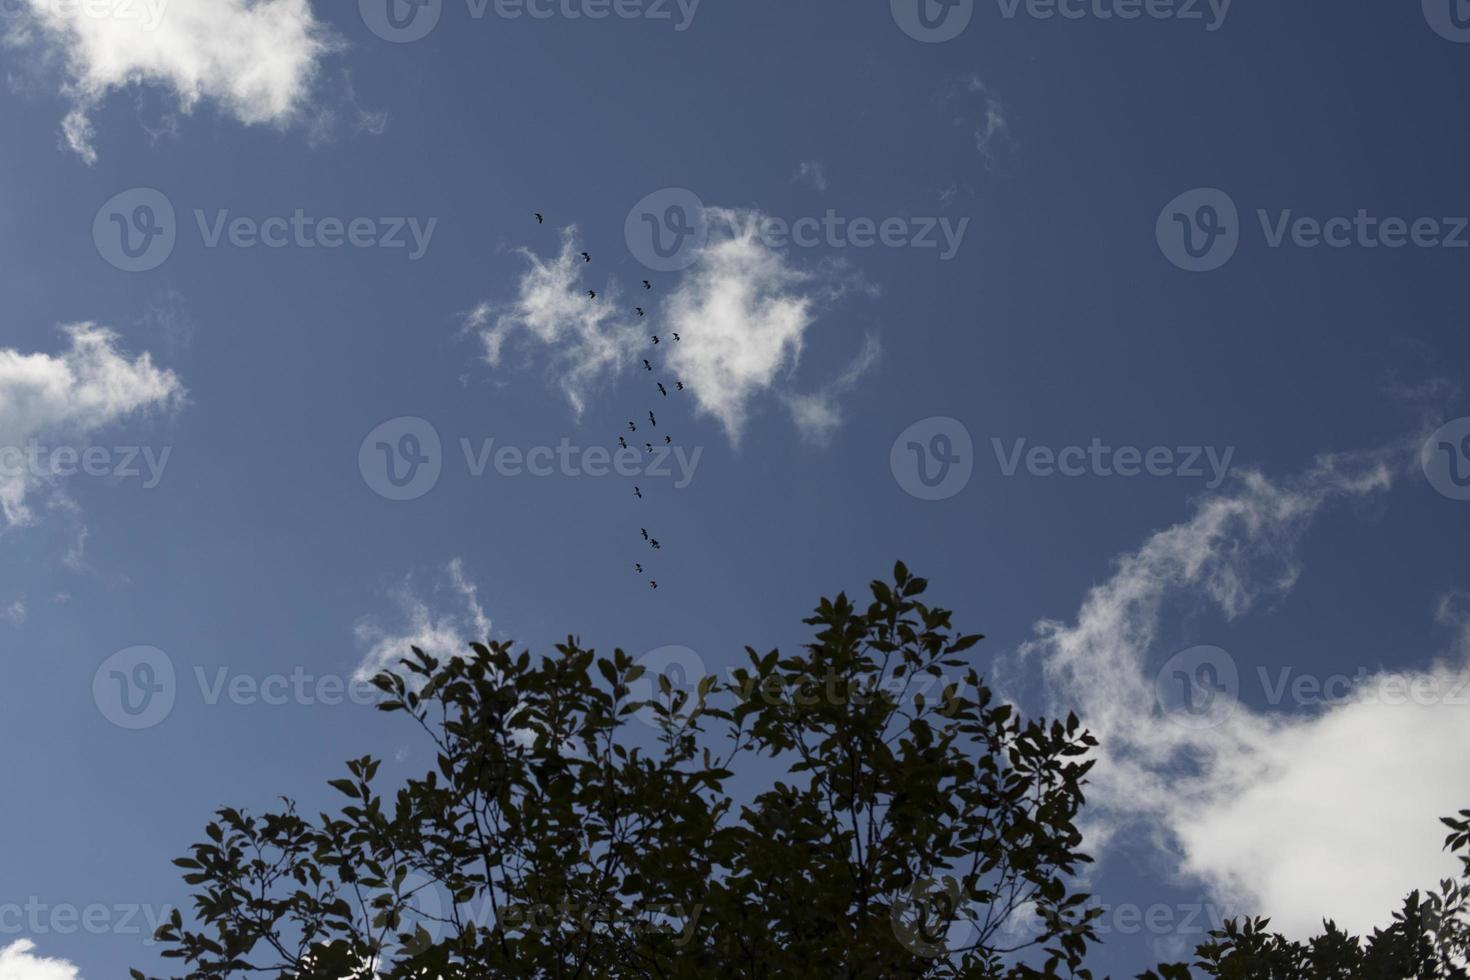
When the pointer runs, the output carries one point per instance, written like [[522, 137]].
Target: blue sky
[[235, 516]]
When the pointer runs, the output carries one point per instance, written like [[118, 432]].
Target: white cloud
[[86, 388], [17, 963], [256, 59], [1331, 812], [742, 312], [813, 173], [442, 625], [592, 340], [13, 612]]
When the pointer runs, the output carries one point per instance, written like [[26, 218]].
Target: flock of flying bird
[[650, 540]]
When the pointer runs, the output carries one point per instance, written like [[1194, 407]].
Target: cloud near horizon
[[257, 60], [1300, 815]]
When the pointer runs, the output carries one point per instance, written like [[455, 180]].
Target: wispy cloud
[[1295, 815], [17, 962], [591, 340], [88, 387], [255, 59], [168, 318], [819, 415], [441, 622], [981, 112], [814, 173]]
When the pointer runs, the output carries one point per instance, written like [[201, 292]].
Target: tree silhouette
[[1429, 939], [919, 829]]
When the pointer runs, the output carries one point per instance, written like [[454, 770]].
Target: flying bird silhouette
[[679, 385], [539, 218], [648, 446], [632, 427], [623, 443], [662, 390], [640, 310], [638, 493], [656, 545], [668, 440], [653, 420], [646, 365], [645, 533], [639, 566], [653, 583], [586, 257], [647, 284], [591, 294], [655, 338], [676, 337]]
